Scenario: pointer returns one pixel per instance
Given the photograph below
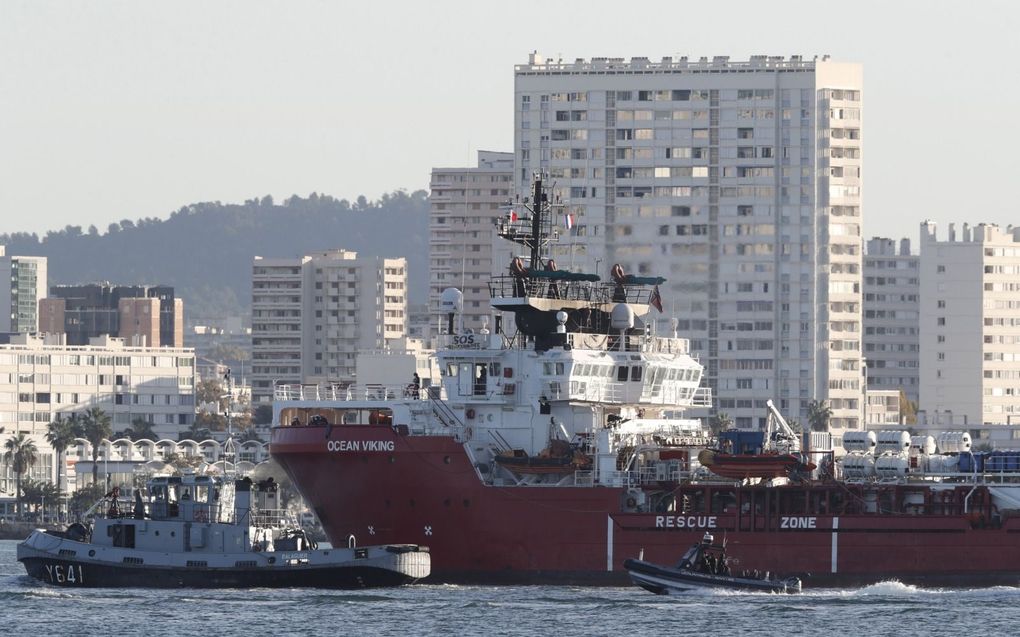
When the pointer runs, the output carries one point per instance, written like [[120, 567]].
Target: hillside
[[205, 250]]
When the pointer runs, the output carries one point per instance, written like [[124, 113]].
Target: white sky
[[114, 110]]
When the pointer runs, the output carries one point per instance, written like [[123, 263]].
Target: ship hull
[[62, 562], [379, 486]]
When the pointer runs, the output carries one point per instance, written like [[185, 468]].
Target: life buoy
[[470, 413], [631, 503], [517, 267], [617, 273]]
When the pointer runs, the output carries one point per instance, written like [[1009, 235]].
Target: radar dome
[[622, 317], [451, 301]]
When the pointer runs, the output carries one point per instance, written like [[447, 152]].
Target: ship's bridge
[[592, 368]]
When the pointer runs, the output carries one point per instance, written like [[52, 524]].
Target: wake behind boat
[[204, 532], [704, 566]]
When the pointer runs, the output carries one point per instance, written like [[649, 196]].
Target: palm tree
[[61, 434], [818, 415], [96, 427], [21, 453]]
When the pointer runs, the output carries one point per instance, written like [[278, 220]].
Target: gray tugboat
[[203, 531]]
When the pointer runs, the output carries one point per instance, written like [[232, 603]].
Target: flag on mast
[[655, 300], [513, 215], [568, 221]]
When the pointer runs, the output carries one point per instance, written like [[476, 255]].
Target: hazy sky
[[115, 110]]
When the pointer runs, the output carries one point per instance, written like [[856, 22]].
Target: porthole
[[92, 553], [446, 460]]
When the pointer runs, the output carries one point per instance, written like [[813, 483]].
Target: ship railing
[[619, 478], [339, 392], [271, 518], [584, 478], [511, 287], [647, 344]]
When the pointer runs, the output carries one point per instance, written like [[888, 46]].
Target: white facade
[[312, 315], [22, 284], [463, 206], [970, 324], [41, 380], [740, 182], [892, 316]]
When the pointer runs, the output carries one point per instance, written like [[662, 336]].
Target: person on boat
[[619, 292], [416, 386], [518, 272], [554, 290]]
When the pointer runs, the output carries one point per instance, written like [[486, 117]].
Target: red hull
[[381, 487]]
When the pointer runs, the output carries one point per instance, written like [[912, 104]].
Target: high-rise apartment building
[[463, 206], [740, 182], [313, 314], [970, 324], [149, 315], [891, 316], [22, 284]]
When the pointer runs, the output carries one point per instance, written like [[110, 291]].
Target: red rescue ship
[[557, 448]]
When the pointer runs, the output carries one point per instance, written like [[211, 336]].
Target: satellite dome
[[622, 317], [451, 301]]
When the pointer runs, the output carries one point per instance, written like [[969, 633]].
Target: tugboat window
[[621, 373]]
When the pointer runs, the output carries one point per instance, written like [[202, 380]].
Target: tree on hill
[[221, 240]]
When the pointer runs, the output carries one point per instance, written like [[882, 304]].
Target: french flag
[[568, 221]]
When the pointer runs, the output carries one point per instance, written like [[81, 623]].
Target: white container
[[892, 465], [893, 442], [861, 441], [922, 445], [953, 442], [858, 465]]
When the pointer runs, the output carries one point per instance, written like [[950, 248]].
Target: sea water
[[28, 607]]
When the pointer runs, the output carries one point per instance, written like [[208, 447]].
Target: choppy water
[[890, 608]]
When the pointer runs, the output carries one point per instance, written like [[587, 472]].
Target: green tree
[[141, 429], [20, 452], [82, 499], [197, 432], [721, 421], [249, 434], [61, 434], [96, 428], [263, 415], [210, 391], [41, 495], [818, 415]]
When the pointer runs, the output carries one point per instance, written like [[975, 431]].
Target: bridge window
[[621, 373]]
